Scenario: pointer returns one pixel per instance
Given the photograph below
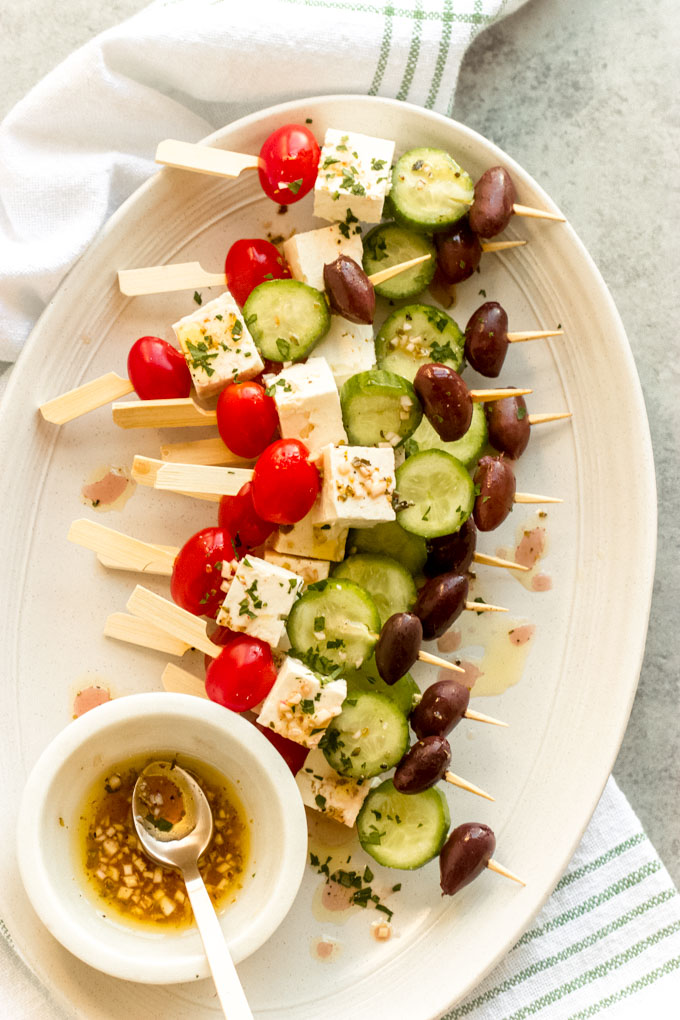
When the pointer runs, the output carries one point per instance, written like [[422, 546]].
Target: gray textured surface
[[584, 96]]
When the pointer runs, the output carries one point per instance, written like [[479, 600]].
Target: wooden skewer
[[463, 784], [178, 681], [401, 267], [484, 607], [500, 870], [434, 660], [537, 214], [172, 619], [496, 561], [501, 245], [541, 419], [532, 334], [145, 472], [204, 159], [202, 479], [480, 717], [118, 547], [158, 566], [86, 398], [144, 634], [484, 396], [528, 497], [201, 451], [176, 412]]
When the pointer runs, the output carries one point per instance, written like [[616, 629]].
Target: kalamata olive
[[350, 292], [458, 251], [398, 646], [422, 766], [440, 709], [486, 339], [441, 601], [452, 553], [465, 854], [446, 400], [494, 199], [495, 480], [509, 426]]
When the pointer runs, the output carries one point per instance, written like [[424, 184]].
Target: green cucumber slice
[[388, 583], [435, 494], [367, 679], [467, 449], [390, 538], [403, 830], [286, 319], [389, 244], [379, 407], [431, 333], [334, 623], [368, 737], [429, 190]]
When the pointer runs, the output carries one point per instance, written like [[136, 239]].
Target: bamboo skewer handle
[[201, 479], [160, 566], [118, 547], [145, 472], [435, 660], [485, 396], [204, 159], [85, 398], [144, 634], [163, 279], [174, 412], [496, 561], [178, 681], [201, 451], [463, 784], [172, 619]]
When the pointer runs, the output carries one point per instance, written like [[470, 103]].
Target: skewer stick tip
[[500, 870], [480, 717], [463, 784]]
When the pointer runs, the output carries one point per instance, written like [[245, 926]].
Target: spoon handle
[[231, 995]]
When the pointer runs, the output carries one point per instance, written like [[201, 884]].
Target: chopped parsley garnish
[[283, 347], [295, 186], [378, 164], [237, 329], [521, 413], [201, 356], [320, 801], [319, 623], [197, 298]]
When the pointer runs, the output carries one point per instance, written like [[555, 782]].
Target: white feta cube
[[259, 599], [308, 539], [217, 346], [308, 404], [324, 790], [309, 570], [348, 348], [309, 252], [358, 482], [354, 174], [301, 703]]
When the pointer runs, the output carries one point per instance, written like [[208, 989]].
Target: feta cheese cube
[[354, 173], [309, 570], [324, 790], [309, 252], [301, 703], [308, 539], [348, 348], [217, 346], [358, 482], [308, 404], [259, 598]]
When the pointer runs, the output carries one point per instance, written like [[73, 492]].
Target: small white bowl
[[149, 724]]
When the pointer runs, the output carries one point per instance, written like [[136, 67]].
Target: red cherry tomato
[[157, 370], [289, 161], [219, 636], [250, 262], [246, 418], [293, 754], [197, 573], [285, 482], [237, 516], [241, 675]]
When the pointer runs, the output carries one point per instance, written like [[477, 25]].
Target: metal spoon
[[179, 843]]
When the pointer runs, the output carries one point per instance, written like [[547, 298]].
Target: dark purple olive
[[495, 482], [398, 646], [445, 399], [350, 292], [509, 426], [423, 766], [465, 854], [441, 708], [458, 251], [441, 601], [452, 554], [486, 339], [494, 199]]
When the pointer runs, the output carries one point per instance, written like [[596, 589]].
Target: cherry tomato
[[285, 482], [293, 754], [157, 370], [289, 160], [237, 516], [246, 418], [197, 572], [219, 636], [250, 262], [241, 675]]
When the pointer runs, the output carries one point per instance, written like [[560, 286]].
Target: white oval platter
[[568, 713]]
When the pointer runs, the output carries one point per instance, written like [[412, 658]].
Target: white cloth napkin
[[608, 942]]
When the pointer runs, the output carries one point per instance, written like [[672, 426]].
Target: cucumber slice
[[334, 623], [432, 334], [368, 737], [367, 679], [388, 583], [286, 319], [387, 245], [379, 407], [427, 189], [403, 830], [390, 538], [467, 449], [437, 494]]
